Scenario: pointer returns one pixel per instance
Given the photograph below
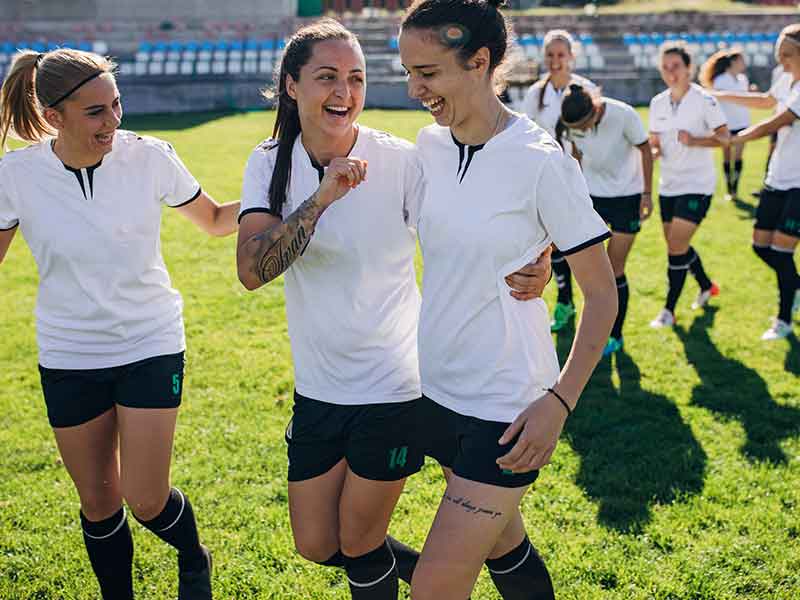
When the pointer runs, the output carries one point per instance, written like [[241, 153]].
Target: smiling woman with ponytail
[[87, 197]]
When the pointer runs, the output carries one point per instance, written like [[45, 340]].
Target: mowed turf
[[678, 477]]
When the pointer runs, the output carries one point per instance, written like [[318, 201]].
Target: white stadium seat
[[234, 67], [187, 67], [142, 56], [265, 66], [219, 67], [140, 68], [127, 68], [203, 67], [171, 67], [155, 67], [250, 66], [100, 47]]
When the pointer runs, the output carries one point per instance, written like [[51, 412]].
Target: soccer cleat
[[664, 319], [612, 345], [727, 197], [704, 296], [196, 585], [561, 316], [778, 331]]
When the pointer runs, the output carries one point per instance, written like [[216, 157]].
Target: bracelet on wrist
[[561, 399]]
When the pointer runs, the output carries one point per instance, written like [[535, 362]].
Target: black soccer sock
[[563, 277], [176, 525], [110, 548], [787, 281], [696, 267], [521, 574], [406, 558], [622, 296], [676, 275], [726, 165], [765, 253], [736, 176], [337, 560], [373, 576]]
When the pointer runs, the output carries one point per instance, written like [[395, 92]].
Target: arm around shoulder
[[6, 237], [215, 219]]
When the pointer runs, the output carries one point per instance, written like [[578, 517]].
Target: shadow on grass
[[173, 122], [746, 207], [734, 390], [792, 362], [636, 451]]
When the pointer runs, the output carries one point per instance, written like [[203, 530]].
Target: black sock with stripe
[[372, 576], [563, 277], [110, 548], [521, 574], [696, 268], [676, 276], [622, 297], [176, 525]]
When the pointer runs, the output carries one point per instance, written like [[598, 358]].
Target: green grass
[[677, 478]]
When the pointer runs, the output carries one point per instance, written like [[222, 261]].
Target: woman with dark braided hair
[[725, 70], [333, 205], [87, 197], [499, 190], [608, 138]]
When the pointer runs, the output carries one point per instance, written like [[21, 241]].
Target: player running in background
[[777, 227], [499, 191], [609, 140], [87, 197], [686, 123], [542, 104], [333, 205], [725, 70]]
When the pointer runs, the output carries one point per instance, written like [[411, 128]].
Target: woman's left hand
[[529, 282], [646, 206], [685, 138], [539, 427]]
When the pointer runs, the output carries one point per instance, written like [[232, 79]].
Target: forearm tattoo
[[274, 250], [467, 505]]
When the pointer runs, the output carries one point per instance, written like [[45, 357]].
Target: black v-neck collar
[[469, 152]]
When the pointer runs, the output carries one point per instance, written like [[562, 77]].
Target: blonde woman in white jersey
[[542, 104], [333, 205], [725, 71], [499, 191], [87, 197], [608, 138], [777, 227], [685, 124]]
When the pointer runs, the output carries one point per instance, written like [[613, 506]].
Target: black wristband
[[560, 399]]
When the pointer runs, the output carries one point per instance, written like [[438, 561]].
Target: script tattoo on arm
[[274, 250], [469, 507]]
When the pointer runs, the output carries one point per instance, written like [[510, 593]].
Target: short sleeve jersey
[[488, 211], [783, 172], [685, 169], [550, 112], [352, 302], [738, 116], [611, 161], [105, 297]]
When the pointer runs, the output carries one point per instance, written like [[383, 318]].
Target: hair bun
[[575, 88], [497, 3]]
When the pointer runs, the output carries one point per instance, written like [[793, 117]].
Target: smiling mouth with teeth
[[434, 105], [339, 111]]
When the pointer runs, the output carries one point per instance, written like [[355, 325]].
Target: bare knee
[[317, 549], [100, 503], [423, 587], [146, 506]]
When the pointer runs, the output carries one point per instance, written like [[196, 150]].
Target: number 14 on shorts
[[398, 457]]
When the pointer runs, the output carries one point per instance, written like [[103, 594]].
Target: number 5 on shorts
[[176, 384]]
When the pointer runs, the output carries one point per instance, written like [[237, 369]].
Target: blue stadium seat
[[85, 46]]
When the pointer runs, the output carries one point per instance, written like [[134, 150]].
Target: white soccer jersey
[[783, 172], [488, 211], [547, 117], [611, 162], [685, 169], [352, 302], [105, 297], [738, 116]]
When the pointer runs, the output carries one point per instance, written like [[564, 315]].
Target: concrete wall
[[145, 9]]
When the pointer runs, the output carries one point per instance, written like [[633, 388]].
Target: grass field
[[677, 478]]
